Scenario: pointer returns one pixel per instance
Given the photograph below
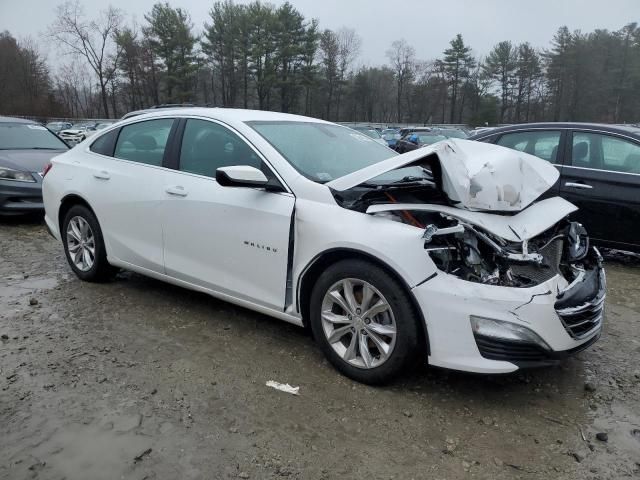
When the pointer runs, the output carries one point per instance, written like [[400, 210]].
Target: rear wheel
[[364, 322], [84, 245]]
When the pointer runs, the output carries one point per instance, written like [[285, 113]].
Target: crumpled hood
[[27, 160], [524, 225], [475, 175]]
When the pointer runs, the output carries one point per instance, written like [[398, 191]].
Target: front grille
[[583, 320], [552, 254]]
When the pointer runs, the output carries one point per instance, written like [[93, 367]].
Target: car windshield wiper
[[411, 179]]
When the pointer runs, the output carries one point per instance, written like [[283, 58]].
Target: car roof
[[632, 130], [16, 120], [226, 114]]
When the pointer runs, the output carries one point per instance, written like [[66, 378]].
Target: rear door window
[[543, 144], [605, 152], [144, 142]]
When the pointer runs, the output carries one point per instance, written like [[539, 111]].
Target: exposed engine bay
[[468, 252], [465, 249], [476, 205]]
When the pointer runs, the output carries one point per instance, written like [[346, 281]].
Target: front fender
[[320, 228]]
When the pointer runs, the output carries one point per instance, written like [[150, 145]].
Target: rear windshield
[[320, 151], [26, 136]]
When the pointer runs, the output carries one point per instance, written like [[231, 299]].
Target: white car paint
[[524, 225], [233, 243], [475, 175]]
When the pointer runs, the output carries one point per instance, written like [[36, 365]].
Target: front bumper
[[21, 197], [72, 139], [447, 303]]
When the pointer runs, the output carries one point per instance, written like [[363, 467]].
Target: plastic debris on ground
[[283, 387]]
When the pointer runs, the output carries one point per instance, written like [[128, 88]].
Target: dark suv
[[599, 172]]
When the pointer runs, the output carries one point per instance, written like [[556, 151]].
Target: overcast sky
[[426, 24]]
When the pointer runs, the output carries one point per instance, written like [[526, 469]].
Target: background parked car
[[391, 136], [25, 148], [103, 125], [418, 139], [412, 141], [57, 126], [404, 131], [599, 172], [77, 133], [371, 133]]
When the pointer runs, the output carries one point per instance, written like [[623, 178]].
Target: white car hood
[[529, 223], [475, 175]]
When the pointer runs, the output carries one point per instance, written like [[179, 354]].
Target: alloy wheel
[[358, 323], [81, 243]]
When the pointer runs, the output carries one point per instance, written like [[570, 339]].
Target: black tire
[[100, 270], [408, 341]]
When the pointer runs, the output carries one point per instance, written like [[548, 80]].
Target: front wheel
[[364, 322], [84, 245]]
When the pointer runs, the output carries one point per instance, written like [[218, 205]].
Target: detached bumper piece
[[581, 306], [525, 355]]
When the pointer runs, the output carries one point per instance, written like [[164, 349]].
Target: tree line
[[261, 56]]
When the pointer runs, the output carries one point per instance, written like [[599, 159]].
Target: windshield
[[26, 136], [322, 152], [369, 132]]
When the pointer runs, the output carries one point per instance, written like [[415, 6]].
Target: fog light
[[497, 329]]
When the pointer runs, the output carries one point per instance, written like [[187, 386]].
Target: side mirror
[[241, 176]]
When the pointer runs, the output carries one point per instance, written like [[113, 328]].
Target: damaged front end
[[532, 289]]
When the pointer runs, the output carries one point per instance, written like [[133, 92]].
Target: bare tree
[[74, 89], [402, 58], [349, 44], [92, 40]]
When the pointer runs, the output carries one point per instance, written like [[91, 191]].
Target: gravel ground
[[138, 379]]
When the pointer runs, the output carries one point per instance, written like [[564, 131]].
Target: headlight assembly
[[15, 175], [500, 330]]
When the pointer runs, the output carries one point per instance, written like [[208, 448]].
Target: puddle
[[623, 427], [94, 452], [26, 286]]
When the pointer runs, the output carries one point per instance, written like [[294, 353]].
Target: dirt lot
[[138, 379]]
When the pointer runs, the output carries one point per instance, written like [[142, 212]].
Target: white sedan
[[445, 253]]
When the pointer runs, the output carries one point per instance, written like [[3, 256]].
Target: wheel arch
[[66, 203], [323, 260]]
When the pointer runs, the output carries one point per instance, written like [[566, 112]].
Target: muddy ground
[[138, 379]]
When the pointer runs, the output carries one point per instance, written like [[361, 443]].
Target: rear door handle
[[177, 190], [102, 175], [578, 185]]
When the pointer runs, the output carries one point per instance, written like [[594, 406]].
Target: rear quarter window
[[105, 144]]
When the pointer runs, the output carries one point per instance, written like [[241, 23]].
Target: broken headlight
[[577, 242]]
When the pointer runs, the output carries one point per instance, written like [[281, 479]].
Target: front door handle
[[578, 185], [102, 175], [177, 190]]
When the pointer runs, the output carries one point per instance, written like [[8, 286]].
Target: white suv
[[443, 252]]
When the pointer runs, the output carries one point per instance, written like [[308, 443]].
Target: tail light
[[47, 167]]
